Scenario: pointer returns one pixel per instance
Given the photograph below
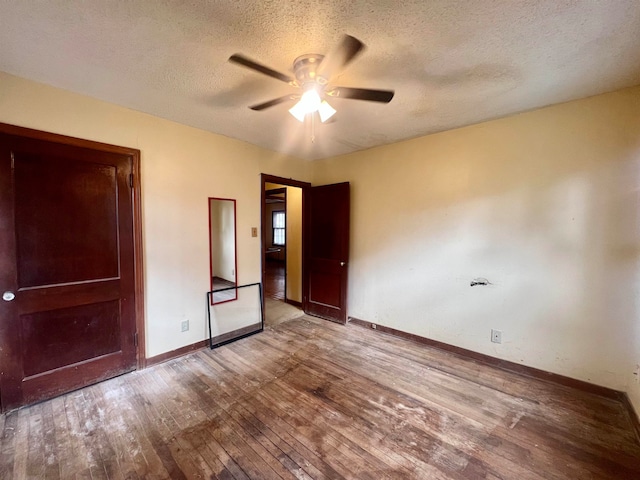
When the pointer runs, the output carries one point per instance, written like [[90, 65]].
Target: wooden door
[[327, 251], [66, 268]]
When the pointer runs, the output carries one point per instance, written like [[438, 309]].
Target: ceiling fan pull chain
[[313, 127]]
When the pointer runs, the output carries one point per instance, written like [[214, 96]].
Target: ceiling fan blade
[[247, 62], [340, 57], [271, 103], [382, 96]]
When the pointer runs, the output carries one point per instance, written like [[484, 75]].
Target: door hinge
[[13, 161], [135, 339], [131, 180]]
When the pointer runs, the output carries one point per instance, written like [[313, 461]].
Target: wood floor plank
[[138, 427], [127, 452], [400, 417], [156, 447], [51, 460], [275, 458], [68, 458], [281, 433], [417, 444], [8, 444], [206, 460], [257, 464], [295, 465], [214, 452], [35, 456], [95, 420], [83, 428], [20, 464], [375, 457], [123, 426], [308, 399]]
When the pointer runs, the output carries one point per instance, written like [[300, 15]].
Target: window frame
[[274, 228]]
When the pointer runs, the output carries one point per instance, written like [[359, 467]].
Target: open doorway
[[275, 241], [282, 244]]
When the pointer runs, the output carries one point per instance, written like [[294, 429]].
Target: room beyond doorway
[[281, 240]]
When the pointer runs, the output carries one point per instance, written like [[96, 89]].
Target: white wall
[[544, 204], [181, 168]]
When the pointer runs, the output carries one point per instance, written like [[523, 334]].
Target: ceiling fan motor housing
[[305, 67]]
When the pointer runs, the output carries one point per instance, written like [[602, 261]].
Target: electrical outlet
[[185, 326], [254, 232], [496, 335], [374, 326]]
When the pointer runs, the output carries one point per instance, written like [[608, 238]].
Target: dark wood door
[[66, 268], [327, 251]]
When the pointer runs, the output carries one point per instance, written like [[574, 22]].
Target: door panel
[[65, 220], [55, 338], [66, 252], [328, 251]]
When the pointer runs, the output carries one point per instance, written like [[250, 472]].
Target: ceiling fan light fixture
[[326, 111], [309, 103]]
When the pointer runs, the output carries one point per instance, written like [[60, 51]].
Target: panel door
[[327, 253], [66, 268]]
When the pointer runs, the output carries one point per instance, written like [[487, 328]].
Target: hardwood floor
[[277, 311], [312, 399], [274, 282]]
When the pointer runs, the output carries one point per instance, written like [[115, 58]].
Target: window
[[278, 227]]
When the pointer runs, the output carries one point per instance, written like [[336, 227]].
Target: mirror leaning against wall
[[222, 249]]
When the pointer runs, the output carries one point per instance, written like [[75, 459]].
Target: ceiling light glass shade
[[310, 103], [298, 111], [326, 111]]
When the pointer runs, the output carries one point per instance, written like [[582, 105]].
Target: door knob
[[342, 264], [8, 296]]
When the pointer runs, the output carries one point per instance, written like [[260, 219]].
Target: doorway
[[282, 241], [319, 285], [276, 242]]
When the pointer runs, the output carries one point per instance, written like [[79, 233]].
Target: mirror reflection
[[222, 249]]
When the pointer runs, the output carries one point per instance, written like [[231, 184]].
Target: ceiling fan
[[313, 73]]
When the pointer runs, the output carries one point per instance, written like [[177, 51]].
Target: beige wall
[[544, 204], [181, 168], [294, 244]]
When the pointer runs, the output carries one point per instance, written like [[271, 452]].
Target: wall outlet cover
[[496, 335]]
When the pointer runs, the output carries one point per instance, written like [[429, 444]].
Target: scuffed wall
[[544, 205]]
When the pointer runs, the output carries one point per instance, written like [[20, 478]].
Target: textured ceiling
[[451, 63]]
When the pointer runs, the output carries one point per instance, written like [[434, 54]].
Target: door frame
[[289, 182], [136, 207]]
